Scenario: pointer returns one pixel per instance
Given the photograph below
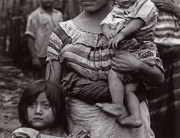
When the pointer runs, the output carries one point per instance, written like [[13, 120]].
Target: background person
[[40, 24], [164, 101]]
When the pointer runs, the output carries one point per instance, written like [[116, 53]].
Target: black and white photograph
[[89, 68]]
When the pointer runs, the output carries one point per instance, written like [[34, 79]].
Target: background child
[[130, 27], [40, 24], [42, 112]]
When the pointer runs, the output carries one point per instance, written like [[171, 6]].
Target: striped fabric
[[87, 55], [164, 102], [167, 31]]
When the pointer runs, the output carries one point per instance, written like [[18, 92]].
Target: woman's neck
[[90, 21], [99, 14]]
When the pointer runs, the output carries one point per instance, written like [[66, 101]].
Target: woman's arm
[[126, 62], [168, 6], [54, 71]]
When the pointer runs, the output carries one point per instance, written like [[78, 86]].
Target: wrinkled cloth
[[29, 133], [102, 125], [92, 92]]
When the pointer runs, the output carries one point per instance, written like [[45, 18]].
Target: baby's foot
[[113, 109], [131, 121]]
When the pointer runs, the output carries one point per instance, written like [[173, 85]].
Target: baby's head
[[125, 3], [42, 106]]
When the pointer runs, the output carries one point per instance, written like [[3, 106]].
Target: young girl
[[129, 27], [42, 112]]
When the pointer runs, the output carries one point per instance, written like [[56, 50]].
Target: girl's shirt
[[88, 54], [31, 133]]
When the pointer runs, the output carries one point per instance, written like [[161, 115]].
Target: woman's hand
[[125, 62], [165, 5]]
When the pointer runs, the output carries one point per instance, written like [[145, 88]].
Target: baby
[[129, 26]]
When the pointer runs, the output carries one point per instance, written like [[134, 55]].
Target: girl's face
[[93, 5], [40, 113], [126, 3]]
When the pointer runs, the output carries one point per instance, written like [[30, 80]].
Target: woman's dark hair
[[54, 95]]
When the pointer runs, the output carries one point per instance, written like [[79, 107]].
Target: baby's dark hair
[[54, 95]]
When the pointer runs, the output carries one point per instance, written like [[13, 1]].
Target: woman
[[89, 57], [164, 102]]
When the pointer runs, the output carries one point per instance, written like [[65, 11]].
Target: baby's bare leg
[[132, 104], [117, 93]]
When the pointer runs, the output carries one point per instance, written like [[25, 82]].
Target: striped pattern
[[167, 31], [164, 102], [88, 54]]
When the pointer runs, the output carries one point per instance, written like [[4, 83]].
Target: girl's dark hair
[[54, 95]]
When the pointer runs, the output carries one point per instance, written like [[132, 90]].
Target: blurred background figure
[[164, 102], [40, 24]]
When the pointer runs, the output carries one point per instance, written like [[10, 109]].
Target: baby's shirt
[[120, 17]]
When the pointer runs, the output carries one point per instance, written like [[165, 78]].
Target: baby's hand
[[110, 34], [114, 43]]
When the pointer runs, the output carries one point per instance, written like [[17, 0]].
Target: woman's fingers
[[99, 105], [113, 68]]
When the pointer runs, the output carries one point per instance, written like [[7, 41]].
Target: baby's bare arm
[[105, 28], [132, 27]]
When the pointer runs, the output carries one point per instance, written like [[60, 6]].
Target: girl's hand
[[165, 5], [80, 134], [125, 62], [114, 43]]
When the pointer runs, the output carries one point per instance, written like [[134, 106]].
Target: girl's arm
[[125, 62]]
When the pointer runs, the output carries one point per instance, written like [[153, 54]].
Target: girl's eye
[[46, 105], [32, 105]]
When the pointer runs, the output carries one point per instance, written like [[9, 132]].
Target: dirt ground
[[12, 83]]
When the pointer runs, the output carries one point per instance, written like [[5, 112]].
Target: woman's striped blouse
[[87, 55]]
